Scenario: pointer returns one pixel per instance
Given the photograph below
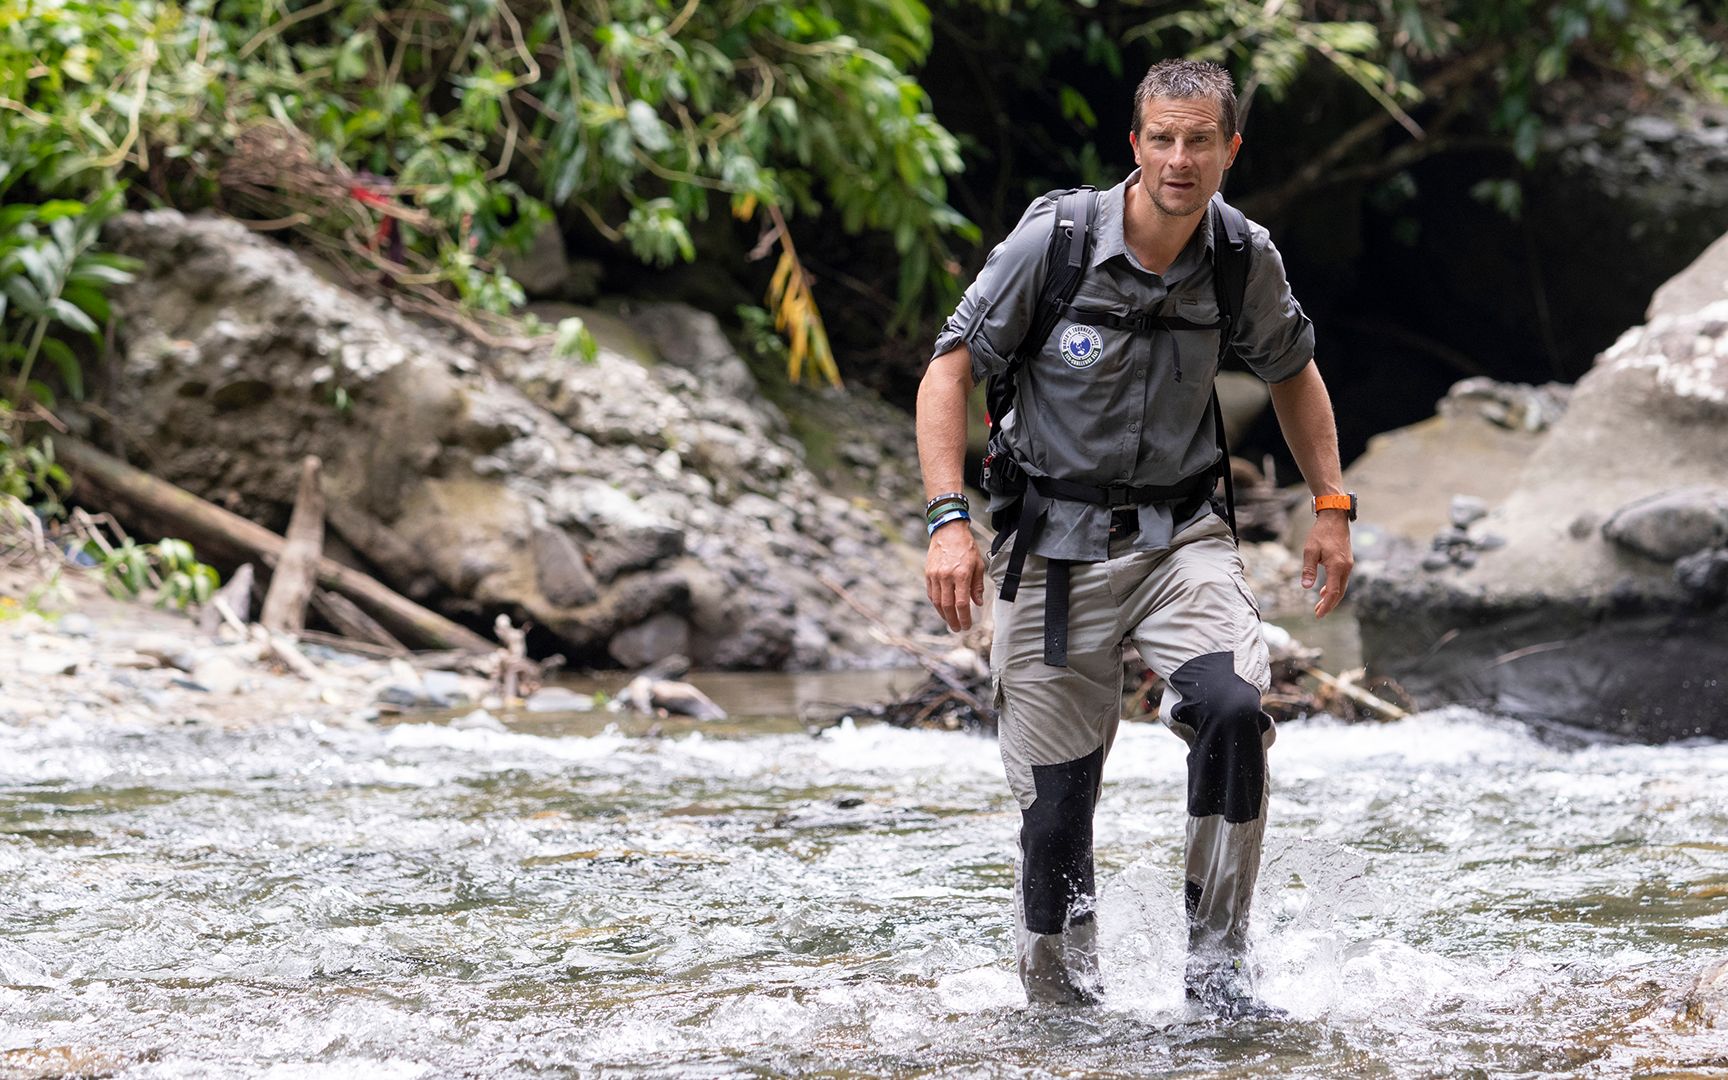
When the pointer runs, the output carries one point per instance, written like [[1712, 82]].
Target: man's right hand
[[954, 574]]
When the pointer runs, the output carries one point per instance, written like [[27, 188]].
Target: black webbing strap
[[1139, 322], [1230, 253], [1224, 458], [1067, 265], [1056, 612]]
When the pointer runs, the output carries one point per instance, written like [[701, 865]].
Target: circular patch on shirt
[[1082, 346]]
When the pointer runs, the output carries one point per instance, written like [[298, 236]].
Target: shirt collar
[[1108, 240]]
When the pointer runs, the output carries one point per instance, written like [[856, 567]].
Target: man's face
[[1182, 153]]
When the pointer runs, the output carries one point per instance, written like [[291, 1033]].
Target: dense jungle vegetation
[[841, 164]]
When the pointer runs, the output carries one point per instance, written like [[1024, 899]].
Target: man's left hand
[[1328, 546]]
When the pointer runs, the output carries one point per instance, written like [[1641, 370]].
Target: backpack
[[1070, 246]]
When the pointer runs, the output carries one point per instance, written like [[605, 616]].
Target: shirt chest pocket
[[1196, 326]]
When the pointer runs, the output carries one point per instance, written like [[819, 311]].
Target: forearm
[[941, 422], [1305, 417]]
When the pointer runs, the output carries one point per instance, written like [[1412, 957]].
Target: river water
[[1451, 895]]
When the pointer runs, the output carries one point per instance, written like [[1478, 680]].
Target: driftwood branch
[[296, 572], [204, 523], [346, 616]]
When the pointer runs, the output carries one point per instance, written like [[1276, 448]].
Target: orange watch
[[1347, 501]]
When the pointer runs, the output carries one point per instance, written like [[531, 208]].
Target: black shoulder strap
[[1230, 279], [1229, 261], [1064, 266]]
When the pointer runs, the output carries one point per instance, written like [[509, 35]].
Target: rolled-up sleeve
[[997, 309], [1276, 339]]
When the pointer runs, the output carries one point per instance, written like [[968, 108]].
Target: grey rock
[[1467, 510], [630, 550], [692, 340], [1703, 283], [219, 674], [400, 694], [1587, 626], [1703, 576], [1653, 129], [1477, 446], [1672, 524], [75, 624], [560, 569], [443, 689], [655, 639], [171, 649], [761, 641], [559, 699], [48, 663]]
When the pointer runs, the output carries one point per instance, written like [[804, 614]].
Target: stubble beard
[[1169, 209]]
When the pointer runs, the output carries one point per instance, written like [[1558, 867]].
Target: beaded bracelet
[[958, 496], [955, 515]]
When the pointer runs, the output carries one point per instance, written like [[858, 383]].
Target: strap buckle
[[1120, 498]]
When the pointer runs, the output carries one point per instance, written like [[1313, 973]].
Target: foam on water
[[429, 900]]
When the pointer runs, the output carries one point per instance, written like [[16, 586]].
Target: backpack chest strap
[[1140, 322]]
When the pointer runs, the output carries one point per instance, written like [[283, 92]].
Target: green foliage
[[168, 568], [424, 140], [574, 339], [29, 475], [656, 109], [51, 277], [1404, 53], [1401, 79]]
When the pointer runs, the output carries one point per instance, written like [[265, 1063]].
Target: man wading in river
[[1102, 462]]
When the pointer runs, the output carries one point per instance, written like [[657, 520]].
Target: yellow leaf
[[782, 271], [743, 208]]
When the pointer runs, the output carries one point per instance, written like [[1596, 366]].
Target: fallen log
[[182, 513], [296, 572], [346, 616]]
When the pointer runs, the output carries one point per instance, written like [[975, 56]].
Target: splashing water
[[1445, 896]]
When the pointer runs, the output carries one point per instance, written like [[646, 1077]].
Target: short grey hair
[[1189, 79]]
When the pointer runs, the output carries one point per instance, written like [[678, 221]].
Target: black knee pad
[[1227, 763], [1056, 842]]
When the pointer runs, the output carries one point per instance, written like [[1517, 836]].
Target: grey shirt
[[1105, 406]]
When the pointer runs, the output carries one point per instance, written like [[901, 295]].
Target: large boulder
[[646, 503], [1473, 451], [1601, 602]]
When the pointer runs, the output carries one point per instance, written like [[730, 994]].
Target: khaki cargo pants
[[1189, 612]]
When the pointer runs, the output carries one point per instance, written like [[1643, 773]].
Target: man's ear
[[1134, 146], [1235, 145]]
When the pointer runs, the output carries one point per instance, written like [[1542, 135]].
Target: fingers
[[1338, 565], [954, 581], [1310, 560]]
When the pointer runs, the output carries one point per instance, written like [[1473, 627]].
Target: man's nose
[[1179, 155]]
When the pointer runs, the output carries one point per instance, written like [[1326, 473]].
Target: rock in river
[[1604, 606]]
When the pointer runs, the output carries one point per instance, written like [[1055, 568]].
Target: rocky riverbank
[[82, 656], [648, 503]]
